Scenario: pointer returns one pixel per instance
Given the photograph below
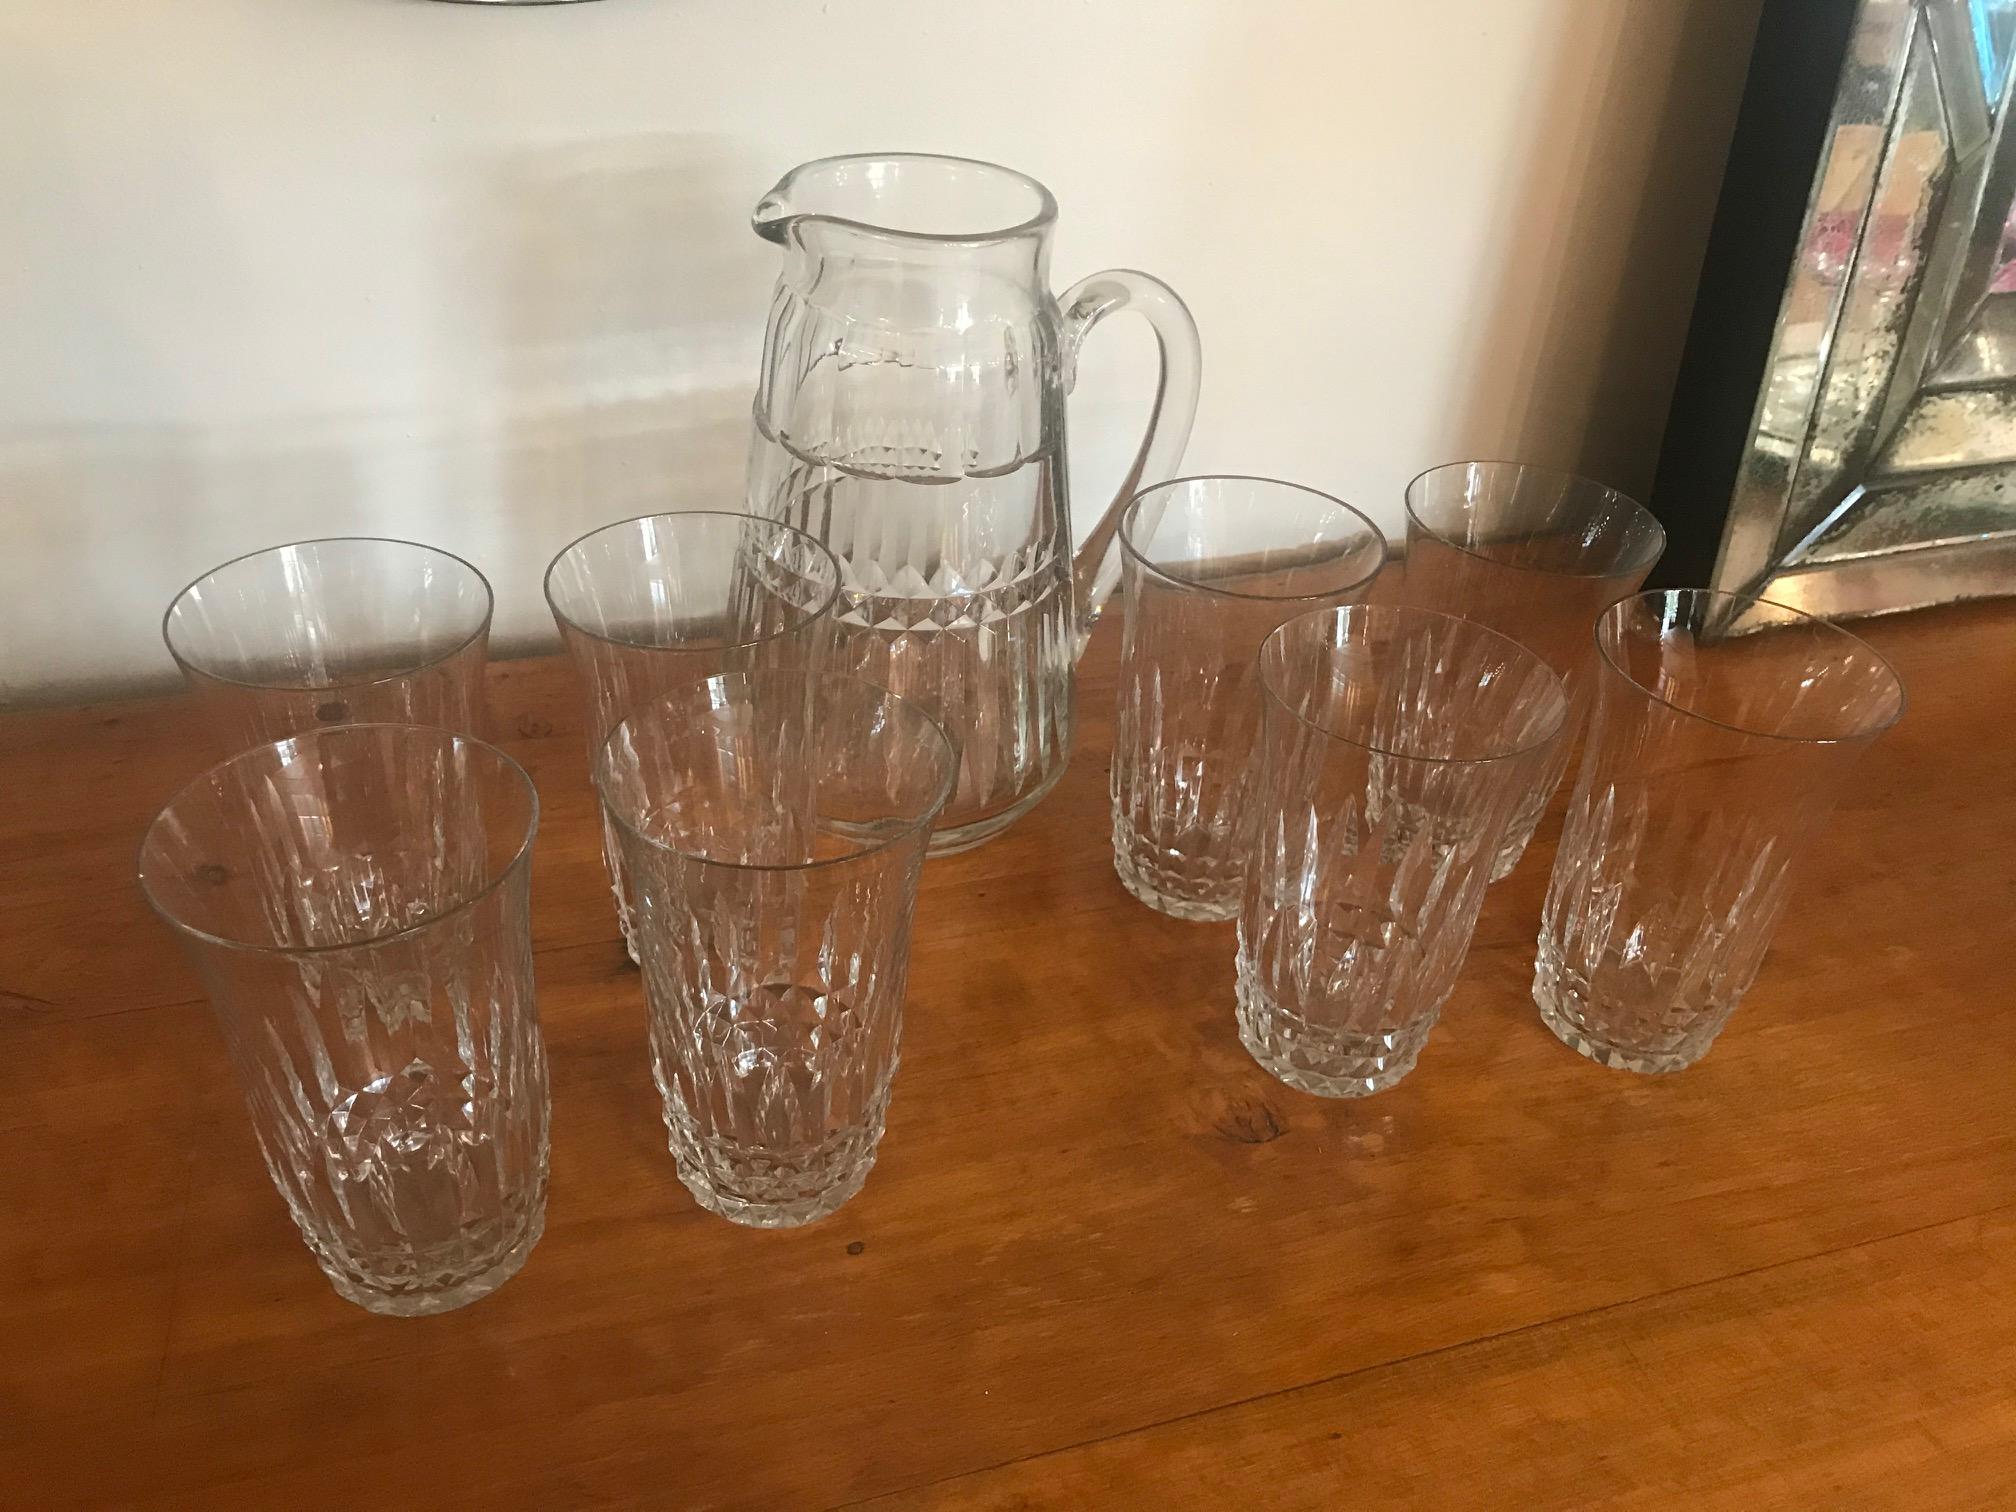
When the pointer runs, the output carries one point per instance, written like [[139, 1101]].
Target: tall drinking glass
[[1210, 567], [773, 826], [1397, 745], [350, 630], [1725, 730], [1535, 555], [647, 604], [356, 900]]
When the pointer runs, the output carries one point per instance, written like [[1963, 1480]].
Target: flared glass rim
[[910, 708], [1149, 564], [1656, 543], [273, 686], [1407, 612], [798, 623], [520, 857], [1042, 219], [1611, 617]]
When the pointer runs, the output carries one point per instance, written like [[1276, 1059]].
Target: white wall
[[482, 276]]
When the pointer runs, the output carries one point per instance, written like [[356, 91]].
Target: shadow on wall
[[601, 318], [627, 296], [1580, 342], [107, 523]]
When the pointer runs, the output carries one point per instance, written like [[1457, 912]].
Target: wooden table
[[1104, 1261]]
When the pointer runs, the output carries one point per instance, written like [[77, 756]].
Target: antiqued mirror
[[1843, 437]]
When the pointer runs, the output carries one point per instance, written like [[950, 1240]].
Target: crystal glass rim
[[797, 624], [948, 770], [1370, 525], [482, 625], [1611, 617], [1656, 543], [1404, 612], [519, 857], [1044, 216]]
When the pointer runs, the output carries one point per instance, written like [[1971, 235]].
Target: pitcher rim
[[1044, 217]]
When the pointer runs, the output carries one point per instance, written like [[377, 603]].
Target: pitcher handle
[[1096, 567]]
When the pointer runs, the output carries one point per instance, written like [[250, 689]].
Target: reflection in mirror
[[1879, 470]]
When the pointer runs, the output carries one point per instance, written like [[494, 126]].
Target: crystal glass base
[[777, 1186], [1144, 871], [1564, 1009], [1322, 1060], [424, 1304], [963, 837], [778, 1215]]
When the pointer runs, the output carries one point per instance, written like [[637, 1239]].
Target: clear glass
[[1396, 744], [774, 824], [350, 630], [1210, 567], [357, 902], [910, 413], [651, 603], [1535, 555], [1725, 730]]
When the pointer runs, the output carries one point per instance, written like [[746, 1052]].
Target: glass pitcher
[[910, 414]]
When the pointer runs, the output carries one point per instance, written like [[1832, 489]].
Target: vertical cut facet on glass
[[1396, 747], [350, 630], [1211, 566], [773, 825], [1536, 555], [1725, 729], [648, 604], [357, 901]]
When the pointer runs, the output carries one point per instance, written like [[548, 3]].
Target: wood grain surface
[[1104, 1261]]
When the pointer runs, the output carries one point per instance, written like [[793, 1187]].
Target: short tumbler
[[1536, 555], [357, 903], [1211, 566], [351, 630], [773, 826], [647, 604], [1725, 730], [1397, 744]]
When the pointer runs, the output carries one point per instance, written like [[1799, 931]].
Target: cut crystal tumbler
[[1396, 747], [1536, 555], [648, 604], [773, 826], [1210, 568], [356, 900], [351, 630], [1725, 730]]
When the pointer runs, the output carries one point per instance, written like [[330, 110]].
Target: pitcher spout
[[914, 196]]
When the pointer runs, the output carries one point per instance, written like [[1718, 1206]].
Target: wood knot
[[856, 1247], [532, 727], [211, 874], [1250, 1121], [333, 711]]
